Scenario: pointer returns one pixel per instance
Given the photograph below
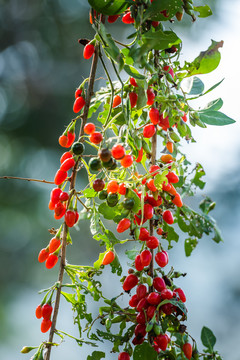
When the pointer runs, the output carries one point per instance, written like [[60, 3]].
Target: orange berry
[[169, 146], [108, 258], [112, 186], [177, 200], [166, 158], [45, 325], [116, 101], [43, 255]]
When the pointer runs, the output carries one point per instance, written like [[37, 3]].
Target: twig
[[26, 179]]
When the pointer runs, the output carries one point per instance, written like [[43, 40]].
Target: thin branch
[[26, 179], [72, 186]]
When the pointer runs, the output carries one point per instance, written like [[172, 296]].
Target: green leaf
[[137, 203], [217, 118], [98, 262], [197, 177], [206, 205], [142, 98], [171, 233], [108, 212], [217, 235], [94, 222], [110, 46], [110, 7], [144, 352], [208, 338], [214, 105], [206, 62], [131, 254], [116, 266], [69, 297], [197, 86], [154, 10], [190, 245], [159, 40], [130, 70], [204, 11], [89, 193], [96, 355]]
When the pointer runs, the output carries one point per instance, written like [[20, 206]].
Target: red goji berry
[[159, 284], [149, 130], [45, 325], [112, 18], [65, 156], [70, 217], [130, 282], [133, 99], [67, 164], [54, 244], [51, 261], [138, 264], [71, 137], [88, 51], [118, 152], [152, 242], [154, 116], [127, 18], [187, 349], [127, 161], [123, 225], [89, 128], [150, 96], [96, 137], [122, 189], [78, 93], [140, 156], [78, 104], [162, 341], [47, 311], [116, 101], [43, 255], [161, 258], [108, 258], [38, 312], [133, 82], [63, 196], [154, 298], [63, 139], [123, 356], [168, 217], [146, 257]]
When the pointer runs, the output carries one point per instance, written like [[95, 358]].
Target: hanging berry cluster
[[138, 178]]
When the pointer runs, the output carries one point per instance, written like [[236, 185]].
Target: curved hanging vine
[[137, 178]]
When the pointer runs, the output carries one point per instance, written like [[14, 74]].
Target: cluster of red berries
[[49, 255], [45, 312], [147, 304]]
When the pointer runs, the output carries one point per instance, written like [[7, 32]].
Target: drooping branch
[[72, 186]]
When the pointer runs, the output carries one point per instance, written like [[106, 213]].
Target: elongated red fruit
[[78, 104], [187, 349], [123, 225], [108, 258], [167, 216], [130, 282], [88, 51], [60, 177]]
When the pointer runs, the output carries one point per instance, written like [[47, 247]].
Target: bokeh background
[[41, 64]]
